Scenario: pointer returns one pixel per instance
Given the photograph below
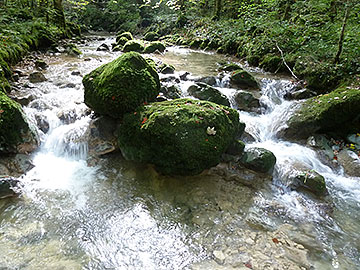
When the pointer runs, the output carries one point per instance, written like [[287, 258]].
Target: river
[[122, 215]]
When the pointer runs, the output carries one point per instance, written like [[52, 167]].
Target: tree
[[342, 32]]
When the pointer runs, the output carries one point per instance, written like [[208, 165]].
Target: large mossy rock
[[16, 135], [206, 92], [126, 35], [243, 79], [259, 160], [246, 101], [180, 137], [133, 46], [121, 85], [155, 46], [336, 112]]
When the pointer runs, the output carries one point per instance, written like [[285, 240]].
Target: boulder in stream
[[103, 48], [246, 101], [300, 176], [37, 77], [153, 46], [16, 134], [350, 162], [121, 85], [258, 159], [337, 112], [206, 92], [180, 137], [133, 46], [244, 79], [125, 35]]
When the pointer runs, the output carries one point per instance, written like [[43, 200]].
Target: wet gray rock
[[102, 139], [300, 94], [16, 165], [246, 101], [23, 99], [171, 92], [41, 64], [166, 69], [258, 159], [8, 187], [350, 162], [103, 48], [67, 116], [232, 171], [42, 123], [299, 177], [210, 80], [76, 73], [37, 77], [184, 75], [206, 92]]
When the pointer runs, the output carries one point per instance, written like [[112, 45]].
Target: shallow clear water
[[121, 215]]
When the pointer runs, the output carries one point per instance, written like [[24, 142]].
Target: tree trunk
[[218, 7], [342, 34], [59, 14]]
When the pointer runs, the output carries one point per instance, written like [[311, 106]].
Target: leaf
[[275, 240]]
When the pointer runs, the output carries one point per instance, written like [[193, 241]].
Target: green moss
[[205, 92], [336, 112], [121, 85], [259, 159], [121, 41], [312, 181], [243, 78], [72, 49], [173, 135], [151, 36], [272, 63], [230, 67], [133, 46], [153, 46], [12, 124], [126, 35]]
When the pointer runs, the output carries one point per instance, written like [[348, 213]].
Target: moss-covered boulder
[[181, 137], [259, 160], [16, 135], [4, 84], [206, 92], [300, 177], [121, 41], [337, 112], [155, 46], [166, 69], [243, 79], [126, 35], [133, 46], [230, 67], [151, 36], [121, 85]]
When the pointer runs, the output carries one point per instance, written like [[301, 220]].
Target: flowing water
[[121, 215]]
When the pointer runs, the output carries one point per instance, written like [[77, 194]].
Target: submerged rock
[[16, 134], [173, 135], [259, 160], [336, 112], [206, 92], [121, 85]]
